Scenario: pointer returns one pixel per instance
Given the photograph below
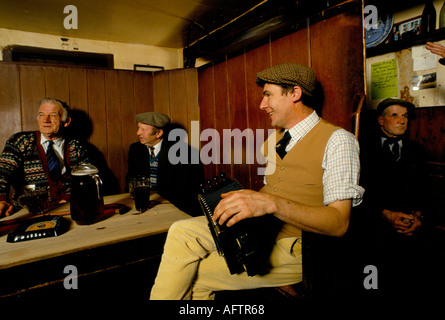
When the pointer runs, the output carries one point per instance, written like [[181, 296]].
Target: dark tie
[[52, 160], [395, 149], [281, 145], [152, 152]]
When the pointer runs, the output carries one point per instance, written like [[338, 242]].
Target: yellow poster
[[384, 79]]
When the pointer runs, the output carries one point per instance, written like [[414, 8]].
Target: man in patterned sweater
[[41, 159]]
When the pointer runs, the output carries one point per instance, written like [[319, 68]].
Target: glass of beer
[[141, 190], [36, 201]]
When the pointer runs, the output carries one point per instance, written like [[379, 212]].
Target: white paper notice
[[424, 63], [423, 59]]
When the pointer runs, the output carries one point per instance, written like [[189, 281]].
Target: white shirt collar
[[298, 131], [157, 147], [58, 142]]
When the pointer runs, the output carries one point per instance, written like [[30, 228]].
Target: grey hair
[[65, 112]]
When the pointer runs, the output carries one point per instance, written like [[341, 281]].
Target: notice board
[[413, 74]]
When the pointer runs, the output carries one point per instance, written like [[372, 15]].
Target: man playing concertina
[[312, 186]]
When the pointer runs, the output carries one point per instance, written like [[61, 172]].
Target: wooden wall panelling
[[97, 110], [191, 82], [293, 48], [256, 60], [143, 92], [114, 125], [222, 116], [9, 101], [81, 125], [184, 107], [340, 78], [237, 98], [161, 92], [428, 128], [126, 97], [57, 83], [207, 115], [89, 121], [178, 102], [78, 89], [32, 90]]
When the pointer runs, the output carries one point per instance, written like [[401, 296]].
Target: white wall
[[125, 54]]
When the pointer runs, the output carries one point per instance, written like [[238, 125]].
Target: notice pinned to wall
[[419, 80], [384, 79]]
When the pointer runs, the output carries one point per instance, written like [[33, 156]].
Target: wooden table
[[105, 245]]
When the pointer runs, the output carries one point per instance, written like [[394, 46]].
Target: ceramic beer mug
[[86, 202]]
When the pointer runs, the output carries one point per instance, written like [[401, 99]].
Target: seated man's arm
[[332, 219], [341, 168]]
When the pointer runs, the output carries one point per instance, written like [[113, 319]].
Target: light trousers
[[191, 267]]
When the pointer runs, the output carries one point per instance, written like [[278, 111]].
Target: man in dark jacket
[[395, 179], [178, 182]]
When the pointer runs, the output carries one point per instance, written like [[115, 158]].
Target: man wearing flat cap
[[394, 175], [179, 182], [313, 183]]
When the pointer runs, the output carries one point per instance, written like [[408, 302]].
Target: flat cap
[[390, 102], [155, 119], [293, 74]]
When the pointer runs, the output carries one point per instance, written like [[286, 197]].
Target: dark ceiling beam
[[271, 18]]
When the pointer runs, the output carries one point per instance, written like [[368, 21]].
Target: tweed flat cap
[[155, 119], [293, 74], [390, 102]]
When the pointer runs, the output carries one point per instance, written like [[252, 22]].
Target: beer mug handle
[[98, 185]]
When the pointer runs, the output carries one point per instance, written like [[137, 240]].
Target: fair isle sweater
[[23, 162]]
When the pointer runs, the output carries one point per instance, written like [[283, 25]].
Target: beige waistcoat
[[298, 177]]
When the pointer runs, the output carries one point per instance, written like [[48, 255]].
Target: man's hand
[[403, 223], [5, 209], [436, 49], [242, 204]]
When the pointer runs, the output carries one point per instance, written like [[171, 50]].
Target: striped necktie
[[152, 152], [52, 160]]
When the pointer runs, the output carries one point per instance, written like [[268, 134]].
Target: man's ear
[[67, 122], [159, 134], [380, 120], [296, 94]]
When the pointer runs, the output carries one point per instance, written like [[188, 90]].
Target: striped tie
[[52, 161], [152, 152]]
